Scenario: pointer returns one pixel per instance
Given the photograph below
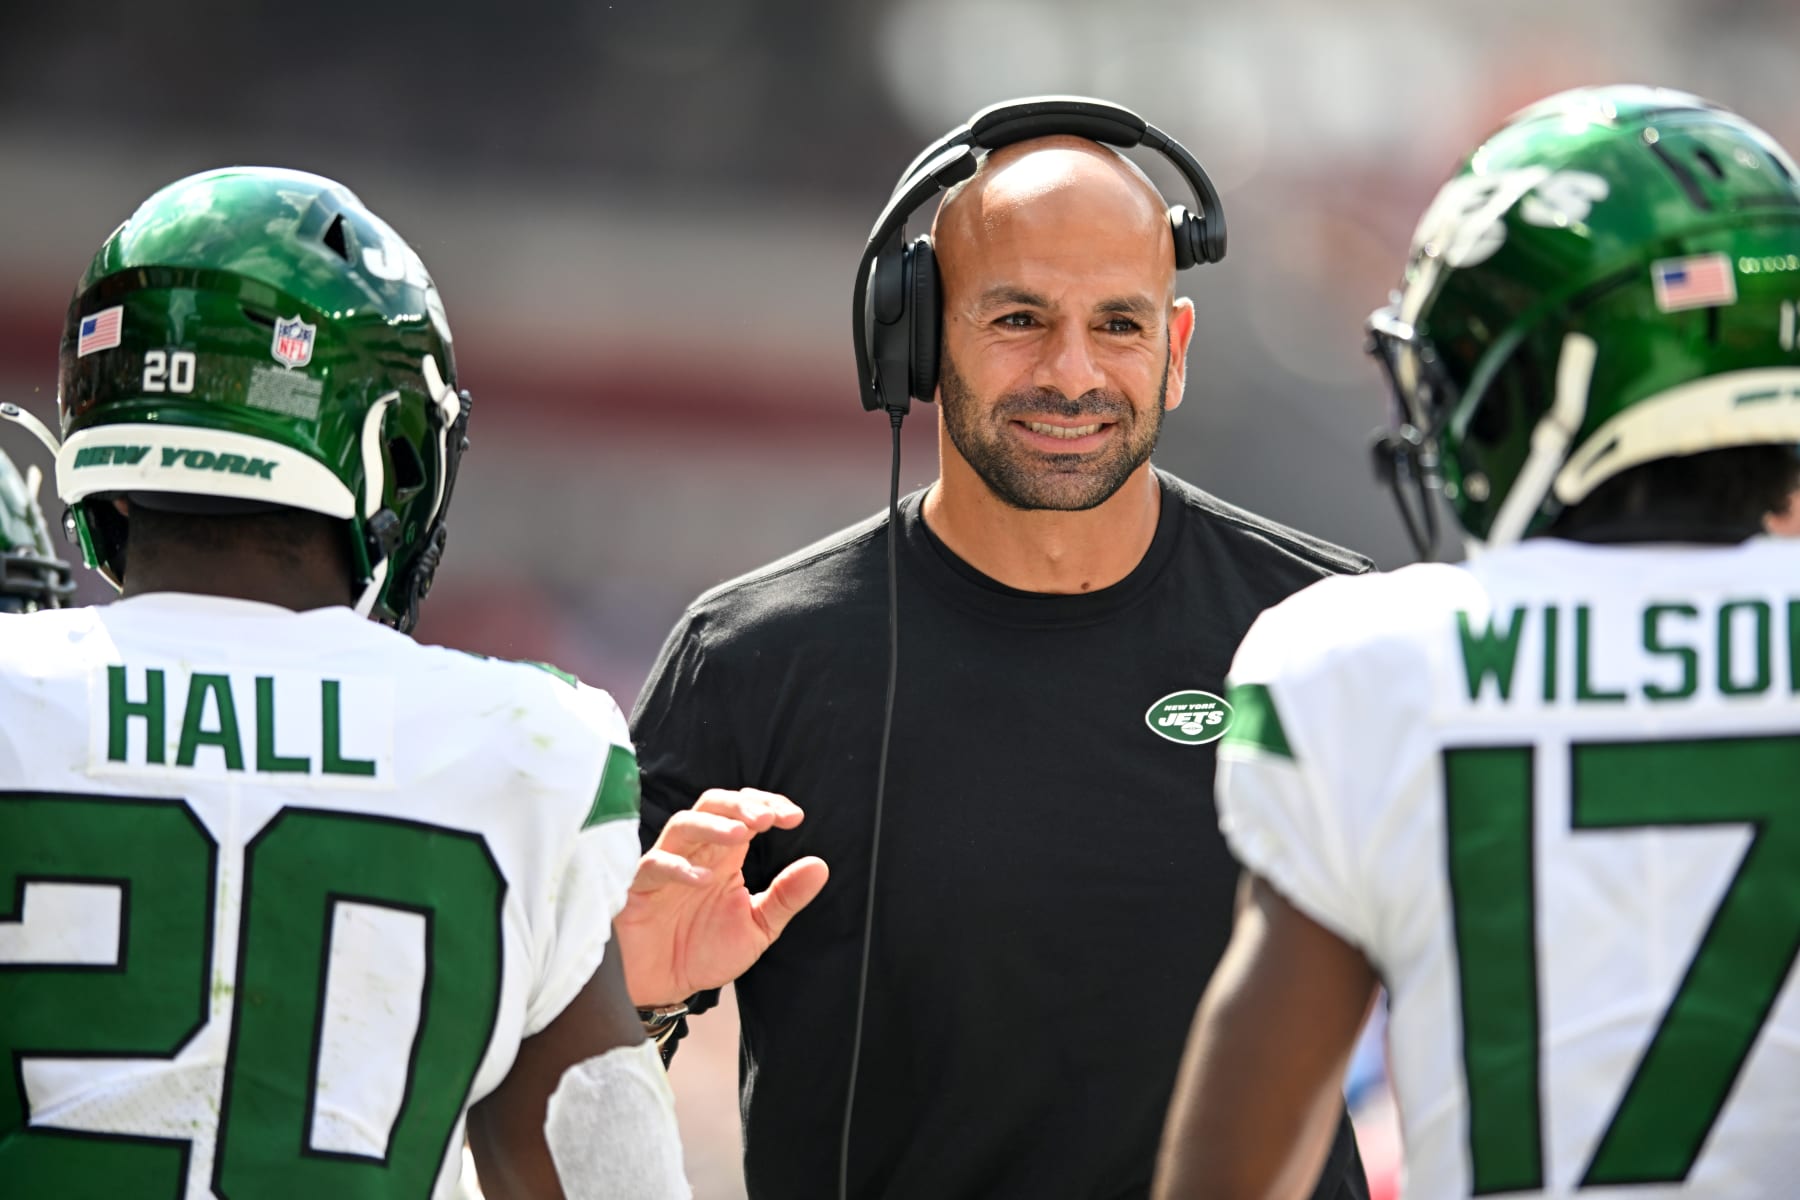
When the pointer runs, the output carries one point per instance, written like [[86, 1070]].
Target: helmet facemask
[[1419, 393], [31, 576]]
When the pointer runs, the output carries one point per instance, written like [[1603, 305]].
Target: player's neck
[[300, 586], [1064, 553]]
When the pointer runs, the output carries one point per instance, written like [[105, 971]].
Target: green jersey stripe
[[617, 797], [1255, 723]]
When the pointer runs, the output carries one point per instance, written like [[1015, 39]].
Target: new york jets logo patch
[[1189, 718]]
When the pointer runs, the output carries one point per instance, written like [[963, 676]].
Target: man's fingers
[[793, 890], [787, 814], [691, 830], [659, 868], [754, 807], [737, 806]]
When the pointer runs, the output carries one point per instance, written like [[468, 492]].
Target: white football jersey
[[1553, 795], [281, 893]]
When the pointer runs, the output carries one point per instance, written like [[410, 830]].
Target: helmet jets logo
[[1189, 718], [1564, 199], [395, 261], [293, 344], [1464, 224]]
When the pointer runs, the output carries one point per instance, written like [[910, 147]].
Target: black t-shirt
[[1053, 887]]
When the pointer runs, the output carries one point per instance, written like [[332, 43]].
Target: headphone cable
[[895, 415]]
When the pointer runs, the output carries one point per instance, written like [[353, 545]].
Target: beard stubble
[[1032, 480]]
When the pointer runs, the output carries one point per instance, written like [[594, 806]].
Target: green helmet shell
[[255, 337], [1611, 278], [31, 576]]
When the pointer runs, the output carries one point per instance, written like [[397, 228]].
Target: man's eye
[[1017, 320], [1121, 325]]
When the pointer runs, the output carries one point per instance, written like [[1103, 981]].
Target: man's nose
[[1068, 364]]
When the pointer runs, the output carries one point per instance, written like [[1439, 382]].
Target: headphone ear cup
[[1188, 240], [925, 313], [889, 341], [1197, 239]]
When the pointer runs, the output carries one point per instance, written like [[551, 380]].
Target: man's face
[[1063, 345], [1039, 449]]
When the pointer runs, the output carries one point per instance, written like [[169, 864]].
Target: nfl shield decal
[[293, 344], [1189, 718]]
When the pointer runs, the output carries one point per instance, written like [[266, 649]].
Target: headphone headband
[[887, 347], [1012, 121]]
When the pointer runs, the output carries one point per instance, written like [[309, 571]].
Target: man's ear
[[1181, 332]]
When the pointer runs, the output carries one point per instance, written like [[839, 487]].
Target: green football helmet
[[255, 338], [31, 576], [1610, 279]]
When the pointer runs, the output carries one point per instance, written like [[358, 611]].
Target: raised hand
[[689, 923]]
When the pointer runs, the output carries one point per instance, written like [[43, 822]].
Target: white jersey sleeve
[[1321, 735], [1280, 797], [601, 855]]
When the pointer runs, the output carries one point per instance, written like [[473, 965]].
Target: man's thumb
[[791, 891]]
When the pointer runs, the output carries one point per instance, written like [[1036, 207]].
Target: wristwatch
[[661, 1022]]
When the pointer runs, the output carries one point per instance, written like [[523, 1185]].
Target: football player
[[1548, 797], [31, 574], [286, 897]]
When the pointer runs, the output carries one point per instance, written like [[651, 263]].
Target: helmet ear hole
[[405, 469], [110, 531]]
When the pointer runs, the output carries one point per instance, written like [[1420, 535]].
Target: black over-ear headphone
[[897, 303]]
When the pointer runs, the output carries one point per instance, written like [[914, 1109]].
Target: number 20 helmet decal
[[255, 338], [1609, 279]]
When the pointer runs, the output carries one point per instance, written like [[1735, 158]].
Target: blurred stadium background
[[644, 218]]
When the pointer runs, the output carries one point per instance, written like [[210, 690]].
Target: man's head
[[1063, 340], [1609, 283], [31, 575], [256, 341]]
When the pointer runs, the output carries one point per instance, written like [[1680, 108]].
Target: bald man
[[1054, 889]]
